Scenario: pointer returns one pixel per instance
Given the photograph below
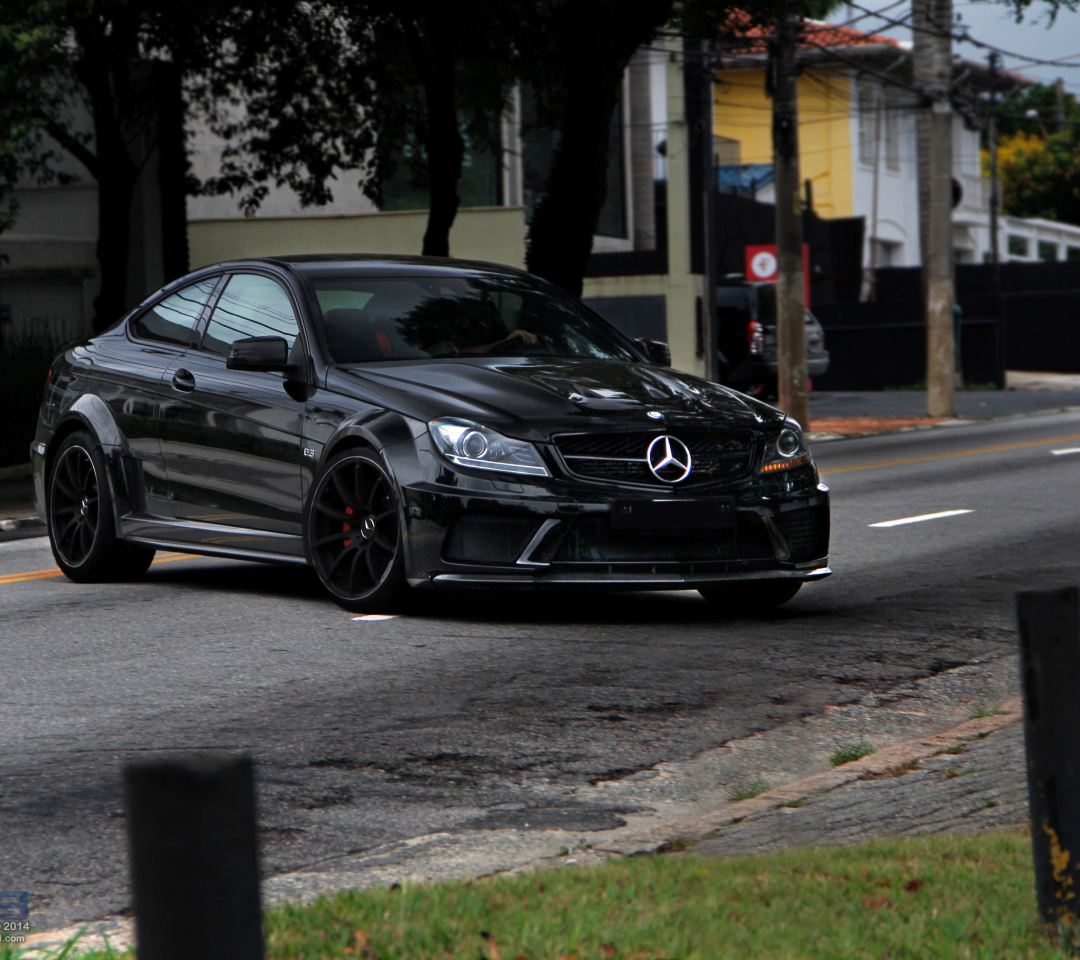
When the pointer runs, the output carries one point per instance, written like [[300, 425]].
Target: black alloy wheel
[[75, 505], [749, 596], [354, 532], [79, 515]]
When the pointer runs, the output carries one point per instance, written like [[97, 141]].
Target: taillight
[[755, 336], [48, 379]]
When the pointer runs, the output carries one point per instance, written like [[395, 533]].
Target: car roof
[[329, 265]]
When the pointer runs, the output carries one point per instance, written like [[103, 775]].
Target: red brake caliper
[[346, 528]]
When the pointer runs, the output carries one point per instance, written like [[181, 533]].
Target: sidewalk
[[949, 757], [854, 414]]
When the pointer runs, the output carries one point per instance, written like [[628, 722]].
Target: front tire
[[80, 517], [353, 533], [750, 596]]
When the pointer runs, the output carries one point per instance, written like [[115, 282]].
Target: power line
[[965, 37]]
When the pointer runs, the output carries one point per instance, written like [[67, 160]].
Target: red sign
[[761, 265]]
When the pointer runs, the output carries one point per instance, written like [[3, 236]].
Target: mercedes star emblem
[[669, 459]]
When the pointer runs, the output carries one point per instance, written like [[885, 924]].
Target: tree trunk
[[445, 154], [103, 70], [564, 221], [588, 77]]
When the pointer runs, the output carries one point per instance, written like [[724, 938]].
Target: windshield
[[416, 318]]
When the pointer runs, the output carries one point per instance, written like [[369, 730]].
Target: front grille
[[593, 541], [620, 458], [488, 538], [806, 532]]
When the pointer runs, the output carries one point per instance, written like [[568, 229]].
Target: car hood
[[533, 398]]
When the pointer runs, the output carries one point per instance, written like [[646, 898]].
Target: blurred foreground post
[[194, 864], [1049, 622]]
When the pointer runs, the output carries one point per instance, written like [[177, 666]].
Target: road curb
[[21, 528], [955, 422], [881, 761]]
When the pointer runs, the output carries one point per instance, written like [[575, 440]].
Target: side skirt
[[213, 540]]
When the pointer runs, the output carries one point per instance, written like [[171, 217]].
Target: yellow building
[[857, 104], [743, 125]]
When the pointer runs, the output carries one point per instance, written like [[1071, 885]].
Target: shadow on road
[[508, 606]]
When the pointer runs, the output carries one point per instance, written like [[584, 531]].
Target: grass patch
[[747, 791], [797, 802], [954, 749], [921, 898], [850, 753], [677, 845], [982, 710]]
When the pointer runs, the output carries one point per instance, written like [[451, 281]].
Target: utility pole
[[790, 283], [995, 208], [932, 36], [1059, 91], [708, 199]]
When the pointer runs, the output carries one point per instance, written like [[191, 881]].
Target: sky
[[992, 23]]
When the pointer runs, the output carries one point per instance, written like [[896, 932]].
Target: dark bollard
[[1050, 670], [194, 864]]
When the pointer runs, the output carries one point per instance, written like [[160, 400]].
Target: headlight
[[473, 445], [786, 450]]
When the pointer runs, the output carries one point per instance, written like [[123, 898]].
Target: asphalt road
[[485, 710]]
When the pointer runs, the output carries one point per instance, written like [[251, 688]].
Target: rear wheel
[[750, 596], [354, 533], [80, 517]]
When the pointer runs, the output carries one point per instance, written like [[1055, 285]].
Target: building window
[[1018, 246], [480, 184], [612, 219], [726, 152], [887, 253], [891, 129], [1072, 253], [869, 97], [1047, 250]]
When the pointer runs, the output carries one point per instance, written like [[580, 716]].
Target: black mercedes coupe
[[400, 423]]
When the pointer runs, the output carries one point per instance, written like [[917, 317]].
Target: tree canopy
[[1041, 177]]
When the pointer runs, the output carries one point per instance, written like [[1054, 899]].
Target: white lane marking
[[377, 616], [1058, 453], [920, 518]]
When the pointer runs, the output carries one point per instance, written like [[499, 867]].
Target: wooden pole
[[194, 863], [792, 385], [1049, 626], [932, 20]]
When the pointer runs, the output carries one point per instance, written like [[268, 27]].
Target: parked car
[[402, 423], [746, 338]]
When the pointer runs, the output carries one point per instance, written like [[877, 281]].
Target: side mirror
[[260, 354], [657, 351]]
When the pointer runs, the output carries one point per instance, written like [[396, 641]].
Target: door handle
[[183, 380]]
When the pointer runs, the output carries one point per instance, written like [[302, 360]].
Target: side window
[[250, 306], [176, 318]]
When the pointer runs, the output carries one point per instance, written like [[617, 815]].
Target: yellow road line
[[57, 572], [945, 456]]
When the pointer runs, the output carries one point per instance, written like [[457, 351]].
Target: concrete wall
[[496, 234]]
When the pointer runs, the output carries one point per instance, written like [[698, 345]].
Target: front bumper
[[464, 529]]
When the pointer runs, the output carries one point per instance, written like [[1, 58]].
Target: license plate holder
[[713, 513]]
